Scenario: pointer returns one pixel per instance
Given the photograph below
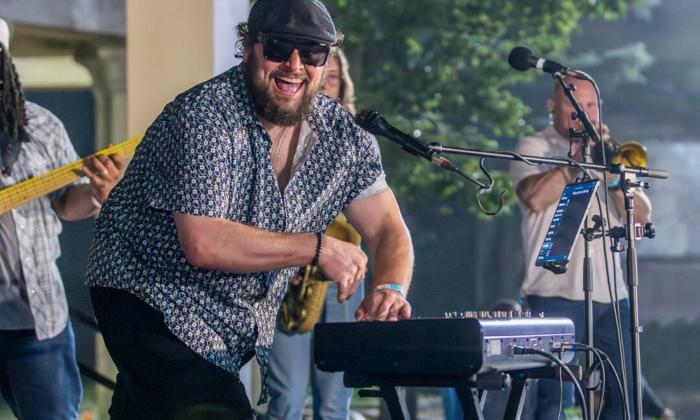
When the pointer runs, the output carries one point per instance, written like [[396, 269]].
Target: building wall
[[170, 49], [96, 16]]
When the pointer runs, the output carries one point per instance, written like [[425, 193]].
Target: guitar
[[38, 186]]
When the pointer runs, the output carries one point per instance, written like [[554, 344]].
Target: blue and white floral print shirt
[[207, 154]]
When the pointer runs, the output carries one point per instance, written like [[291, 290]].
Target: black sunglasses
[[279, 50]]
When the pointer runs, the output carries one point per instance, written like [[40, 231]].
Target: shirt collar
[[313, 121], [244, 98], [551, 133]]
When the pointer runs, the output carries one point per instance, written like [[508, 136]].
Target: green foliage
[[439, 68]]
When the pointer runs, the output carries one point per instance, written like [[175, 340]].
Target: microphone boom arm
[[536, 160], [374, 123], [580, 113]]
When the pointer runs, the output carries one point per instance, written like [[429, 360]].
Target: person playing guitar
[[38, 368]]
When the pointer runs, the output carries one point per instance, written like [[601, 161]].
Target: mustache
[[291, 75]]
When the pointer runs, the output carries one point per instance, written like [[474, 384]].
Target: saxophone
[[303, 303]]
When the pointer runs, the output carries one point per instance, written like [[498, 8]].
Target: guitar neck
[[38, 186]]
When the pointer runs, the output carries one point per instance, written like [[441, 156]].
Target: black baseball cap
[[298, 20]]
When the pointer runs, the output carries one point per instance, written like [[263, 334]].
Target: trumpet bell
[[631, 153]]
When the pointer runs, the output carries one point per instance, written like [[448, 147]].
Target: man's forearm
[[392, 256], [76, 204], [642, 205], [537, 192], [223, 245]]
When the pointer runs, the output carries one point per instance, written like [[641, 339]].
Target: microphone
[[522, 58], [375, 123]]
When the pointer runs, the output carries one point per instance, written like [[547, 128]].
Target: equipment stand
[[632, 274], [589, 131], [588, 298], [628, 186], [471, 391]]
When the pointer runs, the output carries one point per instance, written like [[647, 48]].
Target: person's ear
[[5, 34], [550, 106], [246, 53], [248, 46]]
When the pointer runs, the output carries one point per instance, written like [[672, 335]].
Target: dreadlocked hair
[[13, 117]]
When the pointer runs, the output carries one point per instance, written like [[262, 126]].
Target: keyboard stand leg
[[483, 394], [396, 404], [516, 399], [469, 398]]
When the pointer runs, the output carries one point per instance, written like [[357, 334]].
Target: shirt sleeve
[[192, 158], [370, 174], [62, 151], [379, 183]]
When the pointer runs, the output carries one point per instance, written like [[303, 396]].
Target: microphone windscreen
[[369, 120], [519, 58]]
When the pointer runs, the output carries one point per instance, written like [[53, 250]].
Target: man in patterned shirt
[[39, 376], [228, 194]]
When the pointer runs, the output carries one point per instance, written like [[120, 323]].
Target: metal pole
[[633, 283]]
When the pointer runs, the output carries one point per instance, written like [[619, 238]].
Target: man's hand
[[79, 202], [576, 145], [104, 173], [297, 279], [383, 305], [344, 264], [604, 132]]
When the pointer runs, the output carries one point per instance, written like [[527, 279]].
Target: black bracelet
[[319, 243]]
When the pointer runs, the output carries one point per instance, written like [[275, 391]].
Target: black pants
[[159, 377]]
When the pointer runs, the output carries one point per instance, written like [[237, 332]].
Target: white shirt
[[36, 224], [538, 280]]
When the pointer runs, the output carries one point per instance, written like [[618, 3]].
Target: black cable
[[562, 365], [611, 285], [615, 305], [623, 393], [527, 161], [603, 357], [561, 394], [598, 364], [603, 384], [614, 300], [481, 187]]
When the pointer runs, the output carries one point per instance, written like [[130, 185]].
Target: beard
[[270, 108]]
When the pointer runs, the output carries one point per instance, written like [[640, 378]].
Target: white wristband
[[391, 286]]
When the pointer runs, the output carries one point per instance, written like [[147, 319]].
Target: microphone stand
[[627, 184], [587, 233], [642, 172], [376, 125]]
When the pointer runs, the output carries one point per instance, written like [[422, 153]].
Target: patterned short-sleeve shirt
[[207, 154]]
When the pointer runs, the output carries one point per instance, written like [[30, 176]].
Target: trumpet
[[303, 304], [630, 153]]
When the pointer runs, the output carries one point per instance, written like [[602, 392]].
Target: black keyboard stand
[[471, 391]]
